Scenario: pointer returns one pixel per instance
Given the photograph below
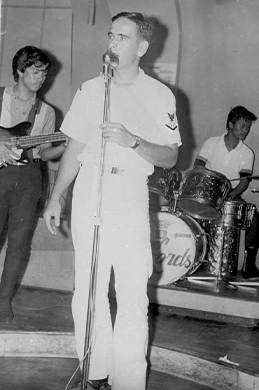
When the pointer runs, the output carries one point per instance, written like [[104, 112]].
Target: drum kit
[[198, 226]]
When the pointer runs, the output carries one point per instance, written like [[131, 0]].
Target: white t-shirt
[[145, 107], [229, 163]]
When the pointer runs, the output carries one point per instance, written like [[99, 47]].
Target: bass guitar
[[17, 139], [16, 136]]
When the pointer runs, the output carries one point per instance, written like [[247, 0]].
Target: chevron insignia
[[172, 125]]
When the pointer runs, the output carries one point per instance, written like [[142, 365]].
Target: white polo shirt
[[230, 163]]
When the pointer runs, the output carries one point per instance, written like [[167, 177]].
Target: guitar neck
[[33, 140]]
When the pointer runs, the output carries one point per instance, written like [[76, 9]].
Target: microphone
[[110, 62], [110, 58]]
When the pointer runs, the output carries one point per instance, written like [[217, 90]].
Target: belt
[[36, 160], [25, 162], [117, 171]]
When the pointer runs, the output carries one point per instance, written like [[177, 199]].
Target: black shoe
[[97, 384], [6, 311]]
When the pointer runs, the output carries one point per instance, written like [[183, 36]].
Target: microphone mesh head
[[111, 59]]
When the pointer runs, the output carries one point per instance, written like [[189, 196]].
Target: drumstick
[[245, 177]]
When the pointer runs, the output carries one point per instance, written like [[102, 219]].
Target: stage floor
[[45, 374], [39, 311]]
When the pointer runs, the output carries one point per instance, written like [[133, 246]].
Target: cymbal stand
[[176, 195], [108, 68]]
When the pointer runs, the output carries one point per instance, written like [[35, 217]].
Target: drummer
[[229, 155]]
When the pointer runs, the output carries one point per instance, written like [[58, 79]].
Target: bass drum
[[178, 247]]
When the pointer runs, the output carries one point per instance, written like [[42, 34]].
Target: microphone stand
[[107, 73]]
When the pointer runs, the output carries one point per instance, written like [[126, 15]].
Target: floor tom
[[223, 249]]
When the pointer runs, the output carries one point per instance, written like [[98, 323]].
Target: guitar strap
[[33, 112], [31, 118]]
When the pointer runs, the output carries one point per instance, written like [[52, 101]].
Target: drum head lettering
[[173, 248]]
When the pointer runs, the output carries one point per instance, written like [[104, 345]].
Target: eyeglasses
[[39, 70]]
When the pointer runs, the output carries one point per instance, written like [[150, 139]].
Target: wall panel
[[22, 27], [24, 3], [218, 71], [58, 25]]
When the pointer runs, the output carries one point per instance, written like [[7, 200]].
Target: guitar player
[[20, 170]]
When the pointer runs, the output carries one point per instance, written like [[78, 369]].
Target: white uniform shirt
[[229, 163], [146, 108]]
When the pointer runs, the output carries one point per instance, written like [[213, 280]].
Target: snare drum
[[233, 213], [237, 214], [202, 193], [178, 247]]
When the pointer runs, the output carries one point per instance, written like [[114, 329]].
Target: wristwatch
[[136, 142]]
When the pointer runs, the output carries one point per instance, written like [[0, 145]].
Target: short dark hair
[[28, 56], [143, 23], [239, 112]]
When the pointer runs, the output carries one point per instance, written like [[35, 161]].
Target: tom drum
[[202, 193]]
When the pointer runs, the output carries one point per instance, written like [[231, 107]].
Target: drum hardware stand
[[176, 195], [245, 259], [110, 61], [249, 282]]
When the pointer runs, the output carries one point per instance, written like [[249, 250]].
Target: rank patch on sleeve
[[172, 123]]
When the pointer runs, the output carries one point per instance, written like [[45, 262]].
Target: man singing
[[142, 131]]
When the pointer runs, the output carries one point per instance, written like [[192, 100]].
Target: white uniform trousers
[[124, 245]]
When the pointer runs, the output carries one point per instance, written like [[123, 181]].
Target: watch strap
[[136, 143]]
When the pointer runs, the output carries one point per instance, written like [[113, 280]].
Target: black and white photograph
[[129, 195]]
